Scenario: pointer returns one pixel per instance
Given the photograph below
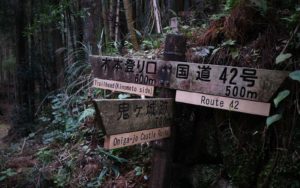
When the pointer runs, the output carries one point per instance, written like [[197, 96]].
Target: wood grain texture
[[237, 82], [129, 115]]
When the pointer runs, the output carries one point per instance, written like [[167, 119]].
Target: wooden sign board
[[133, 138], [174, 24], [236, 82], [130, 115], [224, 103], [137, 89]]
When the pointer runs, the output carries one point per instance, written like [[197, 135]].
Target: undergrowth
[[67, 149]]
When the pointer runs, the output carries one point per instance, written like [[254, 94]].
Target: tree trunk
[[117, 24], [91, 25], [138, 14], [71, 29], [130, 26], [111, 19], [157, 16], [105, 22], [24, 88]]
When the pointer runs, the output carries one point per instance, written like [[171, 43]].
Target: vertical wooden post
[[163, 149]]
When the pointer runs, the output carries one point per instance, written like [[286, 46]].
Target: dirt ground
[[4, 122]]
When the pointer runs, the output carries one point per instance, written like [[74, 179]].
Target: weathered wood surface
[[129, 115], [137, 89], [138, 137], [224, 103], [228, 81]]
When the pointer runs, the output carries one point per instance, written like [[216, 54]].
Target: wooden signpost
[[133, 121], [227, 81], [224, 103]]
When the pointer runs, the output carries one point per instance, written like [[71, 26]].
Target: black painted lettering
[[223, 76], [222, 104], [202, 100], [207, 101], [234, 105], [235, 91], [217, 102], [116, 141], [251, 95], [234, 71], [146, 79], [151, 81], [242, 91]]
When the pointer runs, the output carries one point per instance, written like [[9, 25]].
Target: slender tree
[[24, 89], [130, 26], [117, 21], [157, 16]]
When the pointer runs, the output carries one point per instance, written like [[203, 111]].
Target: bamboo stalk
[[105, 23], [157, 17], [129, 19], [117, 21], [111, 19]]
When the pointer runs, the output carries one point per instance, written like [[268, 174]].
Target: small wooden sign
[[174, 24], [224, 103], [130, 115], [236, 82], [137, 89], [133, 138]]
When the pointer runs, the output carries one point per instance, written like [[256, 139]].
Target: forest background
[[45, 89]]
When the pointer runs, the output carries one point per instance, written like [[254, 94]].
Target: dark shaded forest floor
[[76, 162], [4, 122]]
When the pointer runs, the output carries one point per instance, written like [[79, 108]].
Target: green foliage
[[69, 107], [228, 43], [87, 113], [109, 167], [110, 155], [282, 57], [138, 171], [124, 96], [295, 75], [6, 174], [67, 114], [282, 95], [97, 182], [150, 44], [292, 20], [230, 4], [111, 48], [53, 13], [62, 177], [45, 155], [261, 5], [167, 30], [272, 119]]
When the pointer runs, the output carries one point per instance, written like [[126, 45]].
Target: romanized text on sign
[[137, 89], [224, 103], [138, 137]]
